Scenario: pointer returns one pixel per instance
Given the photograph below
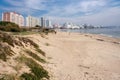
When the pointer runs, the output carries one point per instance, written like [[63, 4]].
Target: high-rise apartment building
[[48, 24], [43, 22], [13, 17], [32, 21]]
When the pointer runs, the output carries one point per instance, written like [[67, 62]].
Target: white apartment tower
[[43, 22], [48, 24], [32, 21]]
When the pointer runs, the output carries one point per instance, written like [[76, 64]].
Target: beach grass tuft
[[26, 40], [35, 56], [5, 51], [40, 51], [37, 71]]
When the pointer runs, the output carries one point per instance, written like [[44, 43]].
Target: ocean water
[[108, 31]]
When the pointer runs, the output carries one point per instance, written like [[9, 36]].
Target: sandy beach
[[75, 56], [72, 56]]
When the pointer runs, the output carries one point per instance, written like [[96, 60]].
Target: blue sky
[[95, 12]]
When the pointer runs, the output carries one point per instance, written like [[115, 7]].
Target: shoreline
[[108, 35], [111, 39]]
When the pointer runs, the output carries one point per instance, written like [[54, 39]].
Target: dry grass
[[40, 51], [5, 51], [26, 40], [35, 56], [37, 71], [11, 40], [4, 37]]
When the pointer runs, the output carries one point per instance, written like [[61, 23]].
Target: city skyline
[[95, 12], [29, 21]]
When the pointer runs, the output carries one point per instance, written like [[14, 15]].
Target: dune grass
[[8, 77], [5, 51], [35, 56], [37, 71], [24, 33], [26, 40], [40, 51]]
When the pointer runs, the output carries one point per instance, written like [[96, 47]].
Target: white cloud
[[66, 10], [107, 17], [91, 5], [79, 11], [35, 4], [86, 7]]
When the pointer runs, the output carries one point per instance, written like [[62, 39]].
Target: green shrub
[[29, 76], [40, 72], [38, 26], [9, 26]]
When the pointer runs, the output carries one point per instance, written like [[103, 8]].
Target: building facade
[[43, 22], [48, 24], [13, 17], [32, 21]]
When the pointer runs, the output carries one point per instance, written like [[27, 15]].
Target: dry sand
[[78, 56]]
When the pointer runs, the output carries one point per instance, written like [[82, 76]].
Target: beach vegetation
[[40, 51], [35, 56], [9, 77], [4, 37], [11, 40], [5, 51], [26, 40], [47, 30], [38, 26], [9, 26], [37, 71]]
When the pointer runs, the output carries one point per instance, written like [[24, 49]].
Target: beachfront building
[[56, 25], [70, 26], [32, 21], [43, 22], [13, 17], [48, 24]]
